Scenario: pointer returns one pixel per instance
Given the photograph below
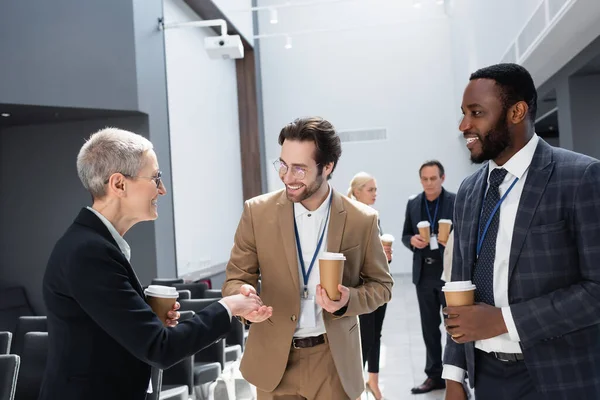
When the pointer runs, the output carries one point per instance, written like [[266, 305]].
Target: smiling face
[[485, 124], [141, 199], [298, 156]]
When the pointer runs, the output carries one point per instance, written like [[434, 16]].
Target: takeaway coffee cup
[[161, 299], [424, 230], [444, 226], [461, 293], [387, 239], [331, 269]]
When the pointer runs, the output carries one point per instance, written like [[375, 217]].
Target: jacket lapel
[[337, 222], [285, 215], [472, 212], [537, 178]]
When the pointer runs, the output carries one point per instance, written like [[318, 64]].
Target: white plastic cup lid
[[458, 286], [332, 256], [445, 221], [387, 238], [161, 291], [423, 224]]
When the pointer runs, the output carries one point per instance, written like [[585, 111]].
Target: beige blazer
[[265, 247]]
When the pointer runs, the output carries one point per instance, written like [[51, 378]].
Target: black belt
[[430, 260], [505, 357], [306, 342]]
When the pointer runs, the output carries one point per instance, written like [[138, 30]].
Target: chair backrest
[[13, 304], [5, 340], [156, 378], [184, 295], [25, 325], [197, 289], [33, 365], [9, 370], [180, 374], [166, 281], [236, 334]]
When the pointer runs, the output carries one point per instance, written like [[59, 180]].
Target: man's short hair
[[515, 84], [109, 151], [433, 163]]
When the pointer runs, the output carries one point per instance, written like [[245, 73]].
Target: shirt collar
[[519, 163], [300, 210], [123, 245]]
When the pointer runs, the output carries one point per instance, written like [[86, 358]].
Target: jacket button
[[293, 318]]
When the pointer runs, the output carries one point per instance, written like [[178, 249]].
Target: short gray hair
[[109, 151]]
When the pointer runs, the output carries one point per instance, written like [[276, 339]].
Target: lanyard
[[306, 274], [481, 236], [432, 220]]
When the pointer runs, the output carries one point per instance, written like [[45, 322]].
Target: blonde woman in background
[[363, 188]]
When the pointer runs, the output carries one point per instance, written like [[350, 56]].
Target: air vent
[[532, 30], [554, 6], [363, 135]]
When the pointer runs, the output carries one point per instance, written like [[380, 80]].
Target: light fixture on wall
[[273, 17], [417, 3], [288, 42], [5, 115]]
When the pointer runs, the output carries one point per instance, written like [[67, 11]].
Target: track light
[[273, 17], [288, 42]]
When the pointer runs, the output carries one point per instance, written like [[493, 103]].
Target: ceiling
[[19, 114]]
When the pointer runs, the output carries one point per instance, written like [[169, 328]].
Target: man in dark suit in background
[[103, 337], [433, 204], [527, 232]]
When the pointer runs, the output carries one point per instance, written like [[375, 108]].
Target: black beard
[[311, 189], [494, 143]]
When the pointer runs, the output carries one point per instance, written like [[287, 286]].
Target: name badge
[[308, 315], [433, 243]]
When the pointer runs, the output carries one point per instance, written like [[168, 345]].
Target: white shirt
[[516, 167], [310, 225]]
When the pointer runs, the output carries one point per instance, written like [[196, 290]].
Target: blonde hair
[[357, 183]]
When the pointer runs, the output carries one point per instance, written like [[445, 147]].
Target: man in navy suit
[[431, 205], [102, 336], [527, 232]]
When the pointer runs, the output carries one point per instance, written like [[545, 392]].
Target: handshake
[[248, 305]]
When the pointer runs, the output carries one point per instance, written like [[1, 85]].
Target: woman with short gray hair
[[103, 337]]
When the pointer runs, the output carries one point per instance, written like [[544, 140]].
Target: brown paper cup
[[331, 272], [444, 231], [161, 306], [425, 233], [457, 299]]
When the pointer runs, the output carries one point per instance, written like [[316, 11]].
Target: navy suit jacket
[[103, 337], [554, 271], [413, 217]]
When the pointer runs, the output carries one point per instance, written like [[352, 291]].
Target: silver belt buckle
[[429, 260]]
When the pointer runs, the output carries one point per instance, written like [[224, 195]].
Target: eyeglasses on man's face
[[156, 178], [282, 169]]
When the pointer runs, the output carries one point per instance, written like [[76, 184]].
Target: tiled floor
[[403, 351]]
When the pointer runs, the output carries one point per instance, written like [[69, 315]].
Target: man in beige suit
[[307, 346]]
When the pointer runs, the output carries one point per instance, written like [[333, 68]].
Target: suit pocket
[[549, 228], [353, 328]]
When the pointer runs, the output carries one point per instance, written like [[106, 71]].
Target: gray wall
[[577, 106], [585, 115], [78, 53], [152, 100], [41, 195]]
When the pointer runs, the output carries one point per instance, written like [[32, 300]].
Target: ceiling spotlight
[[417, 3], [5, 115], [273, 18], [288, 42]]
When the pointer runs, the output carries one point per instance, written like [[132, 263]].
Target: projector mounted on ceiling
[[218, 47]]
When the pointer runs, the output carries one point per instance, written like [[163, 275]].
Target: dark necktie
[[483, 275]]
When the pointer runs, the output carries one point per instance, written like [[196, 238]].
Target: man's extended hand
[[329, 305], [471, 323], [173, 315], [259, 315]]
